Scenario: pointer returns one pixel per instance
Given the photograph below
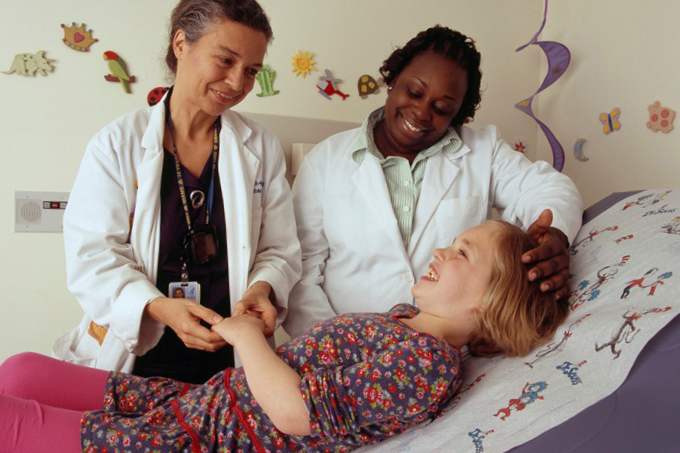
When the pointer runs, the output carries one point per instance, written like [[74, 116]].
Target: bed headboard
[[290, 129]]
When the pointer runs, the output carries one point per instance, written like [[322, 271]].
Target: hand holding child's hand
[[239, 328], [257, 302]]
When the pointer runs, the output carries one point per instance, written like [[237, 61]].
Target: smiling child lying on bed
[[352, 380]]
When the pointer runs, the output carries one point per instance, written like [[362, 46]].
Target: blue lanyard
[[178, 168], [180, 181]]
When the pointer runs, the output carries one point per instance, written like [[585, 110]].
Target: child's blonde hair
[[516, 315]]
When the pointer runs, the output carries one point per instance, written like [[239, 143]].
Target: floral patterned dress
[[365, 377]]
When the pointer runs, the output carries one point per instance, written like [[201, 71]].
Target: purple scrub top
[[170, 357]]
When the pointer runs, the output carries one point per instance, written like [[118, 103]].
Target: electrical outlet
[[39, 211]]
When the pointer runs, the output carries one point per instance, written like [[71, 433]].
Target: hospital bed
[[608, 380], [568, 396]]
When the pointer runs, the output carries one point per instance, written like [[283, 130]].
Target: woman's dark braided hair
[[451, 44]]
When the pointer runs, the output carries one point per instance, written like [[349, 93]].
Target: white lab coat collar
[[152, 140], [153, 137], [233, 121]]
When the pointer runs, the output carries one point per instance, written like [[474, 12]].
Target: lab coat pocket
[[77, 346], [455, 215]]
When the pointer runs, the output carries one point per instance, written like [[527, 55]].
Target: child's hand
[[257, 302], [239, 328]]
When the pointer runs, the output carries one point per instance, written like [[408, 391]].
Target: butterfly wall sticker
[[611, 121]]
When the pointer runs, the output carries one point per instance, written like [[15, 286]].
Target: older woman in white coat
[[372, 202], [186, 194]]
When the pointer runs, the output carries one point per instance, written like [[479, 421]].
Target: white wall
[[45, 122], [624, 54], [354, 37]]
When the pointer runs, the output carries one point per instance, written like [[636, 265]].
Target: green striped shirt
[[404, 180]]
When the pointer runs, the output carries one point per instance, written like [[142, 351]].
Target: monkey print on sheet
[[639, 282], [626, 332], [553, 348], [587, 291], [589, 239], [673, 227]]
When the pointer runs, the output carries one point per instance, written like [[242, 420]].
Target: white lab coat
[[112, 230], [353, 256]]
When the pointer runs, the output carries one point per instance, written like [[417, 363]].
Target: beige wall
[[624, 54], [45, 122]]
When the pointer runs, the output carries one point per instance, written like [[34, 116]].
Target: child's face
[[459, 275]]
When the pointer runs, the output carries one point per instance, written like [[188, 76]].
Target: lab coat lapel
[[370, 181], [440, 172], [238, 168], [145, 220]]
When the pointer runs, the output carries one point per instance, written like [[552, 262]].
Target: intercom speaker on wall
[[39, 211]]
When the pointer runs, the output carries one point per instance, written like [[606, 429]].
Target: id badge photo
[[185, 290]]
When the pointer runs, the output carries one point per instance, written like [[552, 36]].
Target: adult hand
[[551, 257], [239, 327], [257, 302], [184, 317]]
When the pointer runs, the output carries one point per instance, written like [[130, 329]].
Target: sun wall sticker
[[303, 63]]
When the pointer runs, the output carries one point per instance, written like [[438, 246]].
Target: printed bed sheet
[[624, 289]]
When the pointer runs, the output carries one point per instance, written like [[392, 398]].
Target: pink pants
[[42, 401]]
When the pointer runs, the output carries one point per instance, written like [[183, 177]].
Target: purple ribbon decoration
[[558, 61]]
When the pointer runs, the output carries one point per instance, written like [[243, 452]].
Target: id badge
[[202, 244], [185, 290]]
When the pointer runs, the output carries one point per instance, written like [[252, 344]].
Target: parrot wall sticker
[[118, 70]]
